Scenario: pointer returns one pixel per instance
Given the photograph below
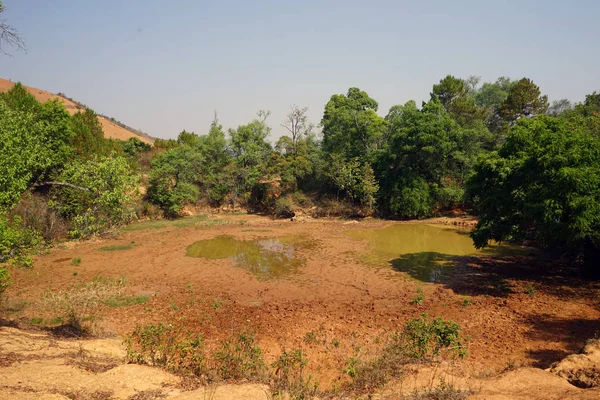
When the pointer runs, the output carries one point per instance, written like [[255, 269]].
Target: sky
[[165, 66]]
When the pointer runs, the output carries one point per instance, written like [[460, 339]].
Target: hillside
[[112, 129]]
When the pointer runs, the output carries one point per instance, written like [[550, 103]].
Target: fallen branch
[[52, 183]]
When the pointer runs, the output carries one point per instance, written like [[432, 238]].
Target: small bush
[[76, 261], [16, 240], [289, 378], [167, 346], [4, 279], [239, 358], [425, 337], [285, 207]]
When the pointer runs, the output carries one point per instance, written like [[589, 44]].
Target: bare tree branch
[[10, 36], [52, 183]]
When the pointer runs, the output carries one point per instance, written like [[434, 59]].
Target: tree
[[9, 35], [351, 126], [524, 100], [33, 147], [173, 177], [429, 157], [96, 194], [297, 125], [558, 107], [457, 98], [542, 184]]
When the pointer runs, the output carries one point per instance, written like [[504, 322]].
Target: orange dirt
[[111, 130], [333, 295]]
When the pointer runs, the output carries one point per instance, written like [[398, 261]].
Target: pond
[[267, 258], [426, 252]]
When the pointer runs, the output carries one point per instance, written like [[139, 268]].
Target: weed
[[148, 395], [289, 380], [174, 306], [151, 224], [74, 273], [167, 346], [443, 391], [216, 304], [240, 357], [530, 290], [335, 343], [418, 300], [424, 337], [466, 302], [117, 247], [310, 337], [76, 261], [147, 309], [189, 288], [122, 301], [36, 321]]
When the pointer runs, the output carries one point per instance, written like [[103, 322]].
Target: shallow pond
[[265, 258], [425, 252]]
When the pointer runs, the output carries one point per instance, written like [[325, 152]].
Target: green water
[[265, 258], [425, 252]]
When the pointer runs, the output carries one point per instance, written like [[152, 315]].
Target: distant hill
[[111, 127]]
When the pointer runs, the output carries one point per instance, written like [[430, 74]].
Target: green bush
[[167, 346], [285, 207], [289, 378], [425, 337], [240, 358], [15, 241], [4, 279]]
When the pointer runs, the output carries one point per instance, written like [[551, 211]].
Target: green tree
[[458, 98], [429, 157], [542, 184], [33, 147], [524, 100], [172, 179], [96, 194], [351, 126]]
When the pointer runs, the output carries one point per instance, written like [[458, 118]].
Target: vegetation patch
[[117, 247], [123, 301]]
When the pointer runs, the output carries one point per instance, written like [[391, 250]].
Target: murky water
[[265, 258], [425, 252]]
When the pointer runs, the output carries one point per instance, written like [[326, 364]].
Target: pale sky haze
[[165, 66]]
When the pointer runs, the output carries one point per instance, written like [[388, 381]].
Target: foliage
[[102, 195], [172, 179], [4, 279], [543, 183], [524, 100], [16, 240], [428, 158], [458, 100], [88, 138], [34, 143], [351, 126], [239, 358], [168, 346], [425, 337], [289, 377]]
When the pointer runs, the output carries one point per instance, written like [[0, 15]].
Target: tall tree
[[542, 184], [351, 126], [298, 125], [457, 98], [524, 100]]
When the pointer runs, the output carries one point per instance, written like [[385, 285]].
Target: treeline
[[527, 168]]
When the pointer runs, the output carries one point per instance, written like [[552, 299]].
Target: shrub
[[16, 240], [167, 346], [4, 279], [289, 378], [424, 337], [239, 358], [285, 207]]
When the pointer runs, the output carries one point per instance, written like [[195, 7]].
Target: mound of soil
[[582, 370]]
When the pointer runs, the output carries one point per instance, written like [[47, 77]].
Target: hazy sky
[[164, 66]]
